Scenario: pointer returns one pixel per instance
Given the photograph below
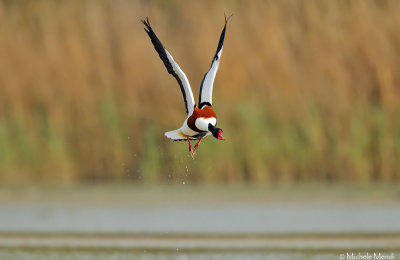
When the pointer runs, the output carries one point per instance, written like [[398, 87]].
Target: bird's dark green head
[[216, 132]]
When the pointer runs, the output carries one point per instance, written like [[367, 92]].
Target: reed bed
[[306, 91]]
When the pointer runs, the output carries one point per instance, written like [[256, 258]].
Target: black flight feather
[[220, 44], [159, 47]]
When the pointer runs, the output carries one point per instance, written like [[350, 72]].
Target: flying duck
[[201, 121]]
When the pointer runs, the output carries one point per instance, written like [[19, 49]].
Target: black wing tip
[[147, 23], [222, 37], [227, 19]]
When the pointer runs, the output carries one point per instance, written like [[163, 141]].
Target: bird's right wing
[[206, 87], [172, 67]]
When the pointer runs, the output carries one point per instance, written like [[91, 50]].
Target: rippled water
[[119, 217], [232, 218], [198, 210]]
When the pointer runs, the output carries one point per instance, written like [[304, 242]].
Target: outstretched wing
[[173, 68], [206, 88]]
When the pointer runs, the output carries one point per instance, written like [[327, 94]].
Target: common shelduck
[[201, 121]]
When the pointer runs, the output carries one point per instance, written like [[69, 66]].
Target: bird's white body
[[202, 123], [185, 131]]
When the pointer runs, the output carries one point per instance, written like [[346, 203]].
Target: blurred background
[[307, 93]]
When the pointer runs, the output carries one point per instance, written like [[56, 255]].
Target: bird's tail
[[176, 135]]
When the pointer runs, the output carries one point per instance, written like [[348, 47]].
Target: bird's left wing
[[206, 87], [172, 68]]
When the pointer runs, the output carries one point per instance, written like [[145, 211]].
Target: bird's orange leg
[[197, 145], [190, 145]]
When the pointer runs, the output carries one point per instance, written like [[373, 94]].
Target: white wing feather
[[185, 82], [208, 81], [172, 68], [206, 88]]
